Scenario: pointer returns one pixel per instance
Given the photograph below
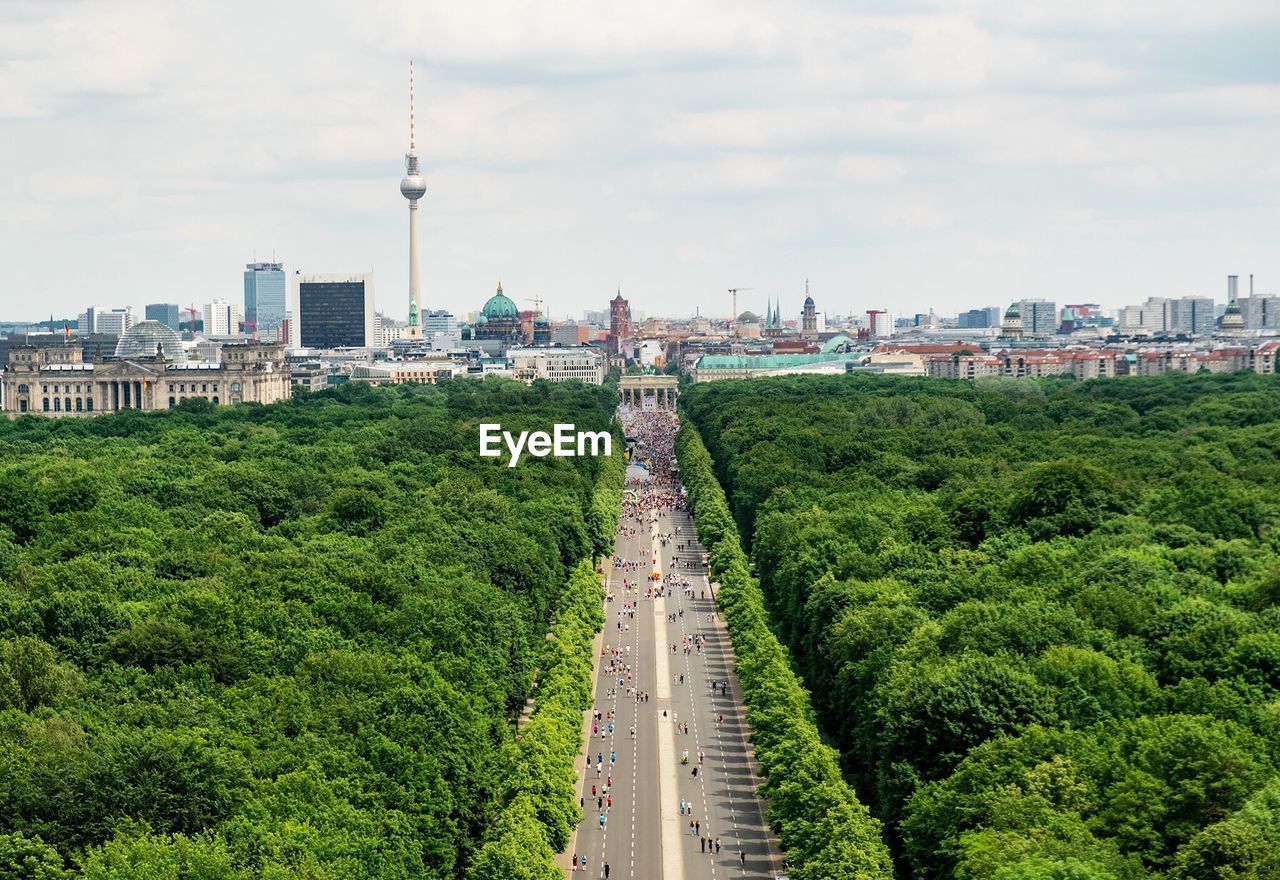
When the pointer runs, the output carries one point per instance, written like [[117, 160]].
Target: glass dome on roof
[[142, 340]]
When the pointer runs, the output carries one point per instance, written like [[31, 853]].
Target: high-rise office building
[[1194, 315], [165, 313], [1039, 317], [335, 311], [221, 318], [111, 322], [880, 324], [264, 299], [1157, 315], [439, 321], [977, 319], [1261, 311]]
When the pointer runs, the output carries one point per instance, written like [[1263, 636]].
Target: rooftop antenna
[[411, 143]]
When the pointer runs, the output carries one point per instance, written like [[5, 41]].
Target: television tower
[[413, 187]]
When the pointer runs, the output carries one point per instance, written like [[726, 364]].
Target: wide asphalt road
[[645, 835]]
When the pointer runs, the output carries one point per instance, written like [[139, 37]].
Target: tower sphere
[[413, 187]]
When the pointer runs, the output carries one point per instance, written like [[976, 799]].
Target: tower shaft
[[415, 280], [413, 188]]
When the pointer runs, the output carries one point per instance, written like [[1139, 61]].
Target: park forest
[[296, 641], [1037, 621]]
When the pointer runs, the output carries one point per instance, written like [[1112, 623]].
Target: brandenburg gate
[[648, 392]]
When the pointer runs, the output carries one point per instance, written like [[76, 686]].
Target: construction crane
[[537, 303], [192, 313], [733, 318]]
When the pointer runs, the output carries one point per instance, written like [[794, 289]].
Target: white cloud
[[681, 147], [870, 169]]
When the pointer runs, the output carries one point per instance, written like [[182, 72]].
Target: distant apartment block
[[980, 319], [221, 318], [1195, 315], [1156, 315], [1039, 317], [111, 322], [1261, 312]]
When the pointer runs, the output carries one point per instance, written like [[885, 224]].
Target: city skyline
[[953, 160]]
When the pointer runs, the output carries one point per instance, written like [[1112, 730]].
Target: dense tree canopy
[[291, 641], [1038, 619]]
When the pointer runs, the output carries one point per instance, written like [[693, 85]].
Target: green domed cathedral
[[499, 319]]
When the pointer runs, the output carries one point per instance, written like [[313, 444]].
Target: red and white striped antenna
[[411, 145]]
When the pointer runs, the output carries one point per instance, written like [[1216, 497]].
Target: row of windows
[[182, 388], [82, 405]]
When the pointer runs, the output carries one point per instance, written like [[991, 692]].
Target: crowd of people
[[649, 500]]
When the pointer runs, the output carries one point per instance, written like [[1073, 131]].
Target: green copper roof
[[837, 341], [500, 306], [765, 361]]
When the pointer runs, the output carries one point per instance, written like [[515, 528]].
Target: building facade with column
[[54, 379], [636, 391]]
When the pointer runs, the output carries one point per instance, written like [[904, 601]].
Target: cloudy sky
[[900, 154]]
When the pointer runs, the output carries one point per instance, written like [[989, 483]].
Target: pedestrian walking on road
[[606, 871], [717, 846], [742, 857], [575, 861], [703, 841], [697, 826]]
